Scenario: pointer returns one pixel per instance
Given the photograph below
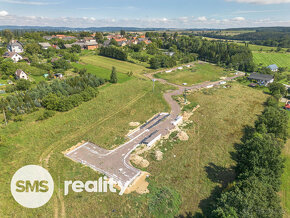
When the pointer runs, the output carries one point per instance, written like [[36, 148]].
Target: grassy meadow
[[103, 120], [107, 63], [200, 72]]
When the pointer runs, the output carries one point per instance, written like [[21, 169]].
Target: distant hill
[[93, 29]]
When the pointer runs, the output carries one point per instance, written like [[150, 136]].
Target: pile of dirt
[[134, 124], [139, 185], [158, 155], [182, 136], [138, 160]]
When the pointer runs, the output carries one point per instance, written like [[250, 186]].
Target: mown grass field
[[199, 73], [108, 63], [266, 59], [105, 121], [102, 72]]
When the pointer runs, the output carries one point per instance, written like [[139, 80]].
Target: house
[[80, 43], [91, 45], [20, 74], [15, 46], [13, 55], [67, 45], [273, 67], [262, 79], [44, 45], [55, 46], [58, 75], [122, 43]]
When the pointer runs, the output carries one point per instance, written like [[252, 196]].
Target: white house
[[262, 79], [15, 46], [20, 74], [14, 56]]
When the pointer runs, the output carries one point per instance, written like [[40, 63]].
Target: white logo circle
[[32, 186]]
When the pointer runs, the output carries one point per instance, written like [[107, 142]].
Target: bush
[[18, 119], [46, 114]]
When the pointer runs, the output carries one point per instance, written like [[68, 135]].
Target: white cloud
[[202, 18], [239, 19], [264, 2], [21, 2], [179, 22], [3, 13]]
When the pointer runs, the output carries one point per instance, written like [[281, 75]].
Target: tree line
[[59, 95]]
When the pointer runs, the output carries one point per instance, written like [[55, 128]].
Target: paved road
[[115, 163]]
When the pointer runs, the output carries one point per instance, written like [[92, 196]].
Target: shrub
[[46, 114], [18, 119]]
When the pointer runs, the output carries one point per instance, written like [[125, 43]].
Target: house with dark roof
[[261, 79], [273, 67], [15, 46], [20, 74]]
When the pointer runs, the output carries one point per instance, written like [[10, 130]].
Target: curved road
[[115, 163]]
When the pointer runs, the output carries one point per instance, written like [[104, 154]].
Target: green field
[[103, 120], [107, 63], [266, 59], [199, 73], [195, 168], [102, 72]]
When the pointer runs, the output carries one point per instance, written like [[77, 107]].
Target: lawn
[[108, 63], [266, 59], [199, 73], [102, 72]]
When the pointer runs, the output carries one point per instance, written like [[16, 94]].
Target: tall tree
[[114, 78], [8, 35]]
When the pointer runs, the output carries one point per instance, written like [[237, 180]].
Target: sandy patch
[[158, 155], [138, 160], [134, 124], [140, 185], [182, 136]]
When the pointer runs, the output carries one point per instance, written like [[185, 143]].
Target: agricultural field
[[200, 72], [266, 59], [107, 63]]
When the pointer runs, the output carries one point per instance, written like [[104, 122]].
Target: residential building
[[273, 67], [20, 74], [14, 56], [15, 46], [44, 45], [262, 79]]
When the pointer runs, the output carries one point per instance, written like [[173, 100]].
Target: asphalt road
[[115, 163]]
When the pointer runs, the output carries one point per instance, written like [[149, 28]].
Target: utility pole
[[153, 83], [5, 117]]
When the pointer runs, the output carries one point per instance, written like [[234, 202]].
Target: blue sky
[[149, 13]]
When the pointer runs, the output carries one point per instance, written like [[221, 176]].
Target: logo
[[32, 186]]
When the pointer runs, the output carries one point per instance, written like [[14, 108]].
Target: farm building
[[262, 79]]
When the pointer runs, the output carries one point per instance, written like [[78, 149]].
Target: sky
[[149, 13]]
